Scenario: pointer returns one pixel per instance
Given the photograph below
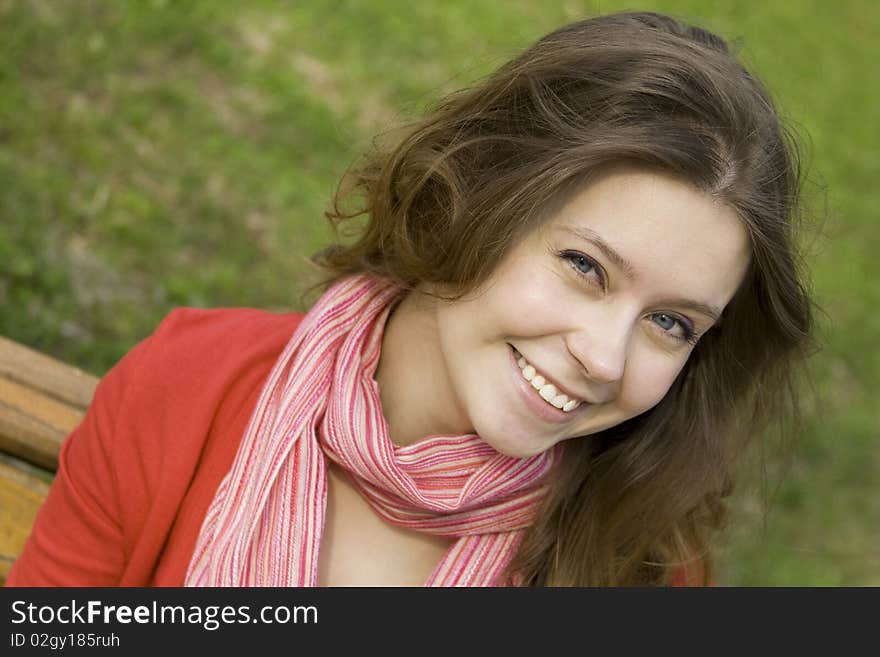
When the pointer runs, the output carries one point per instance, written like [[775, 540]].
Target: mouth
[[541, 397]]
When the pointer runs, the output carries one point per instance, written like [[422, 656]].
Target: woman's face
[[605, 302]]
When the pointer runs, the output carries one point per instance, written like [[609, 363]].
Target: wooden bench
[[41, 401]]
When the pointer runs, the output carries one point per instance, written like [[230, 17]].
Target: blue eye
[[672, 321], [688, 334], [583, 265]]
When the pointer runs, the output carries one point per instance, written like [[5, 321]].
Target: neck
[[413, 384]]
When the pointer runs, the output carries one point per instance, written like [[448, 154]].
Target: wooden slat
[[41, 401], [46, 374], [33, 425], [21, 494]]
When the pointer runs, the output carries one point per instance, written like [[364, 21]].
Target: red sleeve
[[76, 539]]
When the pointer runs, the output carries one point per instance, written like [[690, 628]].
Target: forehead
[[660, 231]]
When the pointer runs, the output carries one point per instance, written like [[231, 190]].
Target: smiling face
[[605, 301]]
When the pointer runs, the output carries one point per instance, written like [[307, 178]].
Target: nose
[[601, 351]]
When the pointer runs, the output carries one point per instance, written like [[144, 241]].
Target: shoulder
[[223, 333], [159, 403], [196, 364], [202, 348], [224, 320], [197, 358], [183, 398], [181, 391]]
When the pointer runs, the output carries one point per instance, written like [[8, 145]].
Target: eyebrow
[[629, 271]]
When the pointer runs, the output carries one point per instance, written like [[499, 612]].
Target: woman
[[576, 297]]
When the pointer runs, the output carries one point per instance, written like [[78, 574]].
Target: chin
[[519, 447]]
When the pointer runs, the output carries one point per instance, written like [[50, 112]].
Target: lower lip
[[530, 397]]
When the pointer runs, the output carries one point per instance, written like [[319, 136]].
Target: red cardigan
[[136, 477]]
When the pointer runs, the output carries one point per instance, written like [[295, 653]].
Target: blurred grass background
[[157, 154]]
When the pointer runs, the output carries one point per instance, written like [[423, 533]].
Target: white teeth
[[547, 391]]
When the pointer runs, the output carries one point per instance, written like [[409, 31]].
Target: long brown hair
[[456, 189]]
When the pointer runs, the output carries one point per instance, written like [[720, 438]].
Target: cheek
[[647, 381], [527, 300]]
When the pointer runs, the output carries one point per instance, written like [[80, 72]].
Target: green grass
[[157, 154]]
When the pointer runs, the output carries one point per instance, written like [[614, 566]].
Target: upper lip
[[558, 387]]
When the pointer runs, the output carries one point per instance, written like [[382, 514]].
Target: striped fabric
[[264, 525]]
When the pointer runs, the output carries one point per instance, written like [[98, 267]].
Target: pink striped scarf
[[264, 525]]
